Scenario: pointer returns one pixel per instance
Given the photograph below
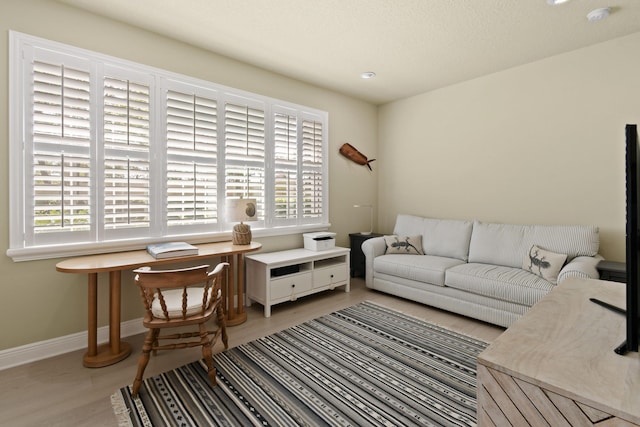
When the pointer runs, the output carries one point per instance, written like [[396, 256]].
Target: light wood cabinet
[[276, 277], [556, 365]]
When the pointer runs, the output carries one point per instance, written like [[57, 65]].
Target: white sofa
[[479, 269]]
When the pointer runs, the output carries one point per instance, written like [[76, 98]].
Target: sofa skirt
[[491, 310]]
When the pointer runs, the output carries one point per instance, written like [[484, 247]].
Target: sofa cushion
[[508, 244], [506, 283], [545, 264], [404, 245], [440, 237], [407, 225], [421, 268]]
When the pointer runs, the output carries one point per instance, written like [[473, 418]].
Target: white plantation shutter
[[312, 169], [244, 134], [106, 153], [59, 180], [245, 152], [286, 167], [192, 144], [126, 119], [299, 168], [246, 181]]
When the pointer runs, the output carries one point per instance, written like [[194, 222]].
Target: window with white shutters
[[298, 168], [58, 172], [313, 183], [286, 157], [126, 145], [192, 150], [244, 145], [111, 155]]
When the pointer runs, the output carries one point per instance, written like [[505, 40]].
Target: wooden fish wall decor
[[352, 153]]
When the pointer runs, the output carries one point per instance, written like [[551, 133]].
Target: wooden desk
[[556, 365], [113, 263]]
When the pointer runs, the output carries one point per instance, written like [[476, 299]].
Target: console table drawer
[[330, 275], [291, 286]]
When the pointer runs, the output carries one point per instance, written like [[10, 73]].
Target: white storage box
[[319, 241]]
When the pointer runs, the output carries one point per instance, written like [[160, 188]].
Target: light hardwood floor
[[59, 391]]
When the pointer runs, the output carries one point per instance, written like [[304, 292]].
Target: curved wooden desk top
[[133, 259]]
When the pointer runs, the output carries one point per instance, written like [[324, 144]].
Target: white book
[[171, 249]]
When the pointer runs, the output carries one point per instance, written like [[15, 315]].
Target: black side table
[[613, 271], [357, 257]]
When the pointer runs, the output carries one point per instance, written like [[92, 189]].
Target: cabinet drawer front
[[290, 286], [329, 275]]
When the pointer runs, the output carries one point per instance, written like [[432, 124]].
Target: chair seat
[[173, 300]]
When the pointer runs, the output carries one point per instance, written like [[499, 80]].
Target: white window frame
[[24, 247]]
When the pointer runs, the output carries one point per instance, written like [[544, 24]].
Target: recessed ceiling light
[[368, 75], [599, 14], [555, 2]]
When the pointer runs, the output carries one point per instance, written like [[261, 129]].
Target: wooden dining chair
[[178, 298]]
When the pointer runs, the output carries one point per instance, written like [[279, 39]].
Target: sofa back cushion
[[440, 237], [509, 244]]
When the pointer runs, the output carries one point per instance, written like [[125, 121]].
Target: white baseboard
[[55, 346]]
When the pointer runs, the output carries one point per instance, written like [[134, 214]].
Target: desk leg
[[92, 308], [235, 290], [227, 299], [231, 290], [115, 350], [115, 288], [242, 315]]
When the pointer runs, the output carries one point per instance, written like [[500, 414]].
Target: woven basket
[[241, 234]]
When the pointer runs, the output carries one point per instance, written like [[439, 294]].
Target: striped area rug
[[366, 365]]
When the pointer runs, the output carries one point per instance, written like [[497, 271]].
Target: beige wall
[[38, 303], [541, 143]]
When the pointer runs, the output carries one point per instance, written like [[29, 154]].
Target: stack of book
[[171, 250]]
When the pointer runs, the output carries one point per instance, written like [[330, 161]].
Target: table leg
[[235, 275], [92, 308], [231, 290], [240, 282], [115, 289], [236, 288], [224, 285], [115, 350]]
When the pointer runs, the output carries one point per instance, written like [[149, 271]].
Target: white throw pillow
[[543, 263], [411, 245]]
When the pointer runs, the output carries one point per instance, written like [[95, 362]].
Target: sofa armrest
[[584, 267], [372, 248]]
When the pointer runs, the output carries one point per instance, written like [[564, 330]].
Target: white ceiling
[[413, 46]]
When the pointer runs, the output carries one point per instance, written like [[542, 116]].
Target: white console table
[[276, 277]]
